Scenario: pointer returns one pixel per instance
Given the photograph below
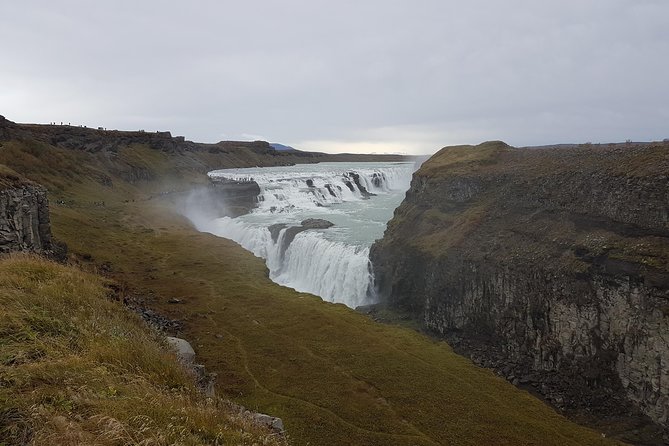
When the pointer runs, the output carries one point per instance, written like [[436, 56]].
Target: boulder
[[273, 423], [316, 223], [182, 348]]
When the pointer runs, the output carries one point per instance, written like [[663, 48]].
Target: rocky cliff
[[24, 215], [550, 265], [220, 198]]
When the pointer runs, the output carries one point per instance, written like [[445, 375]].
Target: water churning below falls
[[333, 263]]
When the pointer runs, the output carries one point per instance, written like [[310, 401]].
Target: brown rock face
[[549, 265], [24, 219]]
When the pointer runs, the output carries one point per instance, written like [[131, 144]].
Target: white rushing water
[[332, 263]]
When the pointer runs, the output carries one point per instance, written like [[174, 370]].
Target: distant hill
[[283, 148], [139, 156]]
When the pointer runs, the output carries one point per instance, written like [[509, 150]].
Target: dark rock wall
[[555, 262], [24, 220], [220, 199], [605, 337]]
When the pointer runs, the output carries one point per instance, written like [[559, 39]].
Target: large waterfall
[[332, 263]]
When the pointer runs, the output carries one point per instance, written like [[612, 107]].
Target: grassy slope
[[487, 225], [76, 368], [10, 179], [334, 376]]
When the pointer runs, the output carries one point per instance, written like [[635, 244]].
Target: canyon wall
[[549, 265], [24, 215]]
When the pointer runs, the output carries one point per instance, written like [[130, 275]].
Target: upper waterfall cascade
[[283, 189]]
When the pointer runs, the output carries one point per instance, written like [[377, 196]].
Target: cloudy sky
[[363, 75]]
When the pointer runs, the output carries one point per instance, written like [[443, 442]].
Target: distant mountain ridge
[[283, 148]]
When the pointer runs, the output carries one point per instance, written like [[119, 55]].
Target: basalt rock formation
[[550, 265], [24, 215]]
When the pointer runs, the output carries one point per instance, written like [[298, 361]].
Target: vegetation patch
[[77, 368]]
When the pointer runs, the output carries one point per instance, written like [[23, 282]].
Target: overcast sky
[[363, 75]]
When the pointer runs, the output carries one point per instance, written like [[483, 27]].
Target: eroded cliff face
[[551, 266], [24, 215]]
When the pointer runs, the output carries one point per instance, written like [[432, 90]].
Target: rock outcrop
[[274, 423], [292, 231], [361, 187], [316, 223], [550, 265], [222, 199], [24, 215], [182, 348]]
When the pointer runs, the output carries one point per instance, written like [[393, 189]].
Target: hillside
[[115, 152], [78, 368], [333, 375], [550, 266]]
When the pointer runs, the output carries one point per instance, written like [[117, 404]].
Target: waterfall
[[335, 271], [331, 263], [282, 190]]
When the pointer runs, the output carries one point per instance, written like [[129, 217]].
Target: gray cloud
[[350, 75]]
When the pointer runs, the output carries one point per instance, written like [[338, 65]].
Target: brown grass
[[77, 368]]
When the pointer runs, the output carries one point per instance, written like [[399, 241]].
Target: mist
[[202, 206], [313, 224]]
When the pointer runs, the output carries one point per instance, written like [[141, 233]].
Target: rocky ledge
[[550, 265], [292, 231]]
